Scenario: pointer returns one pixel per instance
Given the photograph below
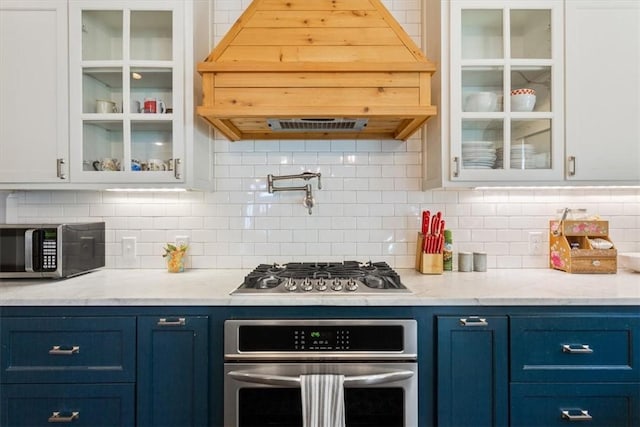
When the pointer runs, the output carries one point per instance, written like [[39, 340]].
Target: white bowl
[[630, 260], [481, 102], [524, 102]]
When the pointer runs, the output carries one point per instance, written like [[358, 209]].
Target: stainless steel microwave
[[51, 250]]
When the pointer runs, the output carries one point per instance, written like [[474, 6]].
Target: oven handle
[[351, 381]]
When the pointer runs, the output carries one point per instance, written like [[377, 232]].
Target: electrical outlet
[[182, 240], [535, 243], [129, 248]]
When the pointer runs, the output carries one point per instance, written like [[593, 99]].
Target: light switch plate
[[535, 243], [129, 248]]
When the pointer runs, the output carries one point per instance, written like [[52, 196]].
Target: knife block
[[427, 263], [570, 249]]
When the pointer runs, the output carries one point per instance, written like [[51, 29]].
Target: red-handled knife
[[425, 222]]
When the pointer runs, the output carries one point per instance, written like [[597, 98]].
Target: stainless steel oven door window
[[376, 394]]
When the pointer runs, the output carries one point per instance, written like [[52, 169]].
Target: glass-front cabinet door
[[126, 91], [506, 94]]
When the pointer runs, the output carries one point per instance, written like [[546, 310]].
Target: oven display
[[320, 338]]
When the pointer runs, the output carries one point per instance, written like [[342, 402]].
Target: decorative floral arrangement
[[175, 257]]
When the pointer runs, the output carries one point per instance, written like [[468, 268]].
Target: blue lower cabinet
[[91, 405], [593, 405], [173, 371], [472, 370]]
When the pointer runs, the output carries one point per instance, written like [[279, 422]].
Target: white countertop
[[205, 287]]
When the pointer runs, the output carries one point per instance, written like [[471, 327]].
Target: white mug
[[105, 107]]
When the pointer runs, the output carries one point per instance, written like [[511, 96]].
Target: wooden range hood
[[316, 69]]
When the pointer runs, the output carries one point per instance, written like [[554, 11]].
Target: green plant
[[170, 249]]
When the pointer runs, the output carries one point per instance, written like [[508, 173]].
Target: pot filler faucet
[[308, 201]]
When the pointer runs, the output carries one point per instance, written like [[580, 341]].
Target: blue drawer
[[593, 405], [575, 348], [68, 349], [77, 404]]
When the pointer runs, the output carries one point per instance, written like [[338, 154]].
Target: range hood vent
[[316, 69], [316, 124]]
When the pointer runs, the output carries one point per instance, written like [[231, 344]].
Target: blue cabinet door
[[472, 364], [173, 371]]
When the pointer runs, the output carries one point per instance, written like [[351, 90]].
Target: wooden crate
[[570, 249]]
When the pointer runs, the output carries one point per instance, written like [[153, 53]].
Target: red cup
[[150, 105]]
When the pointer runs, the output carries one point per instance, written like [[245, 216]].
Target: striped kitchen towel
[[322, 400]]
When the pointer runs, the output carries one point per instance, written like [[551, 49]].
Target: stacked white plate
[[523, 156], [478, 154]]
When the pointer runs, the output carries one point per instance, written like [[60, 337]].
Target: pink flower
[[556, 260]]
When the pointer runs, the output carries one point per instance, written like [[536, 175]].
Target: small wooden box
[[570, 249], [427, 263]]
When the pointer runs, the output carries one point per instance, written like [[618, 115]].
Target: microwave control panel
[[45, 249]]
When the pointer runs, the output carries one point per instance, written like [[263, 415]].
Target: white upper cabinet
[[115, 109], [34, 133], [127, 105], [502, 93], [603, 91], [534, 92]]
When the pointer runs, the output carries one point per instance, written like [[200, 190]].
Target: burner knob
[[322, 285], [352, 285], [336, 285], [291, 285], [306, 285]]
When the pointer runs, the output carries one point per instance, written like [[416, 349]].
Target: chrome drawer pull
[[58, 350], [181, 321], [57, 418], [582, 416], [474, 321], [576, 348]]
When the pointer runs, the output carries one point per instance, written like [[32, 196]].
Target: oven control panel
[[318, 338]]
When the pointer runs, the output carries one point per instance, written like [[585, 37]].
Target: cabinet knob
[[474, 321], [456, 167], [571, 165], [576, 415], [59, 172], [180, 321], [60, 351], [177, 173], [56, 417], [577, 348]]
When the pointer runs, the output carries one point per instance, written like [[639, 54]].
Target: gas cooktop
[[338, 278]]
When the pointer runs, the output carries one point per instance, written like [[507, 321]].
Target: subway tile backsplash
[[368, 209]]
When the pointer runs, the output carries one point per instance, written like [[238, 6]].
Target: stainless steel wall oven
[[264, 360]]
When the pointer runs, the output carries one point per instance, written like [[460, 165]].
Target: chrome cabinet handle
[[576, 348], [176, 173], [59, 172], [456, 167], [57, 418], [474, 321], [58, 350], [180, 321], [571, 165], [582, 416], [352, 381]]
